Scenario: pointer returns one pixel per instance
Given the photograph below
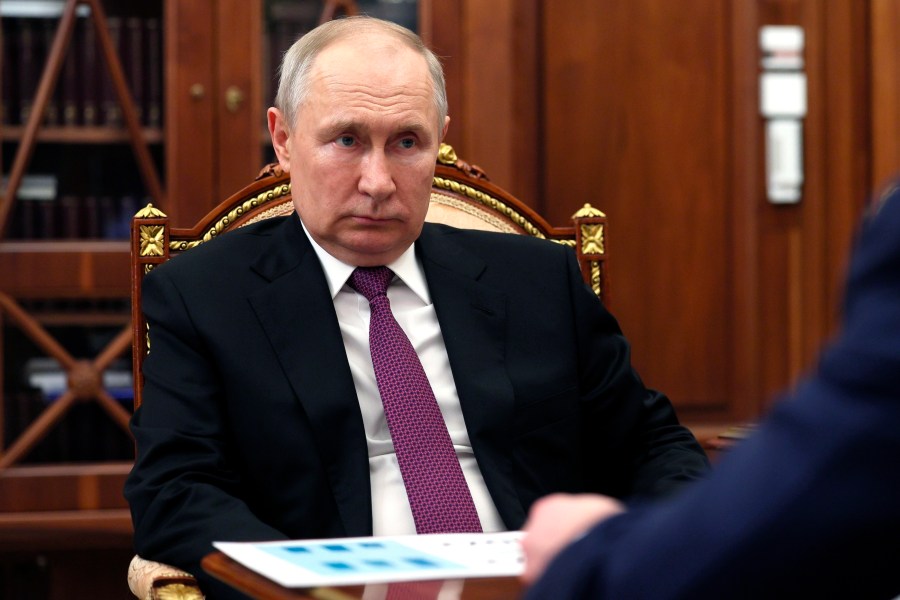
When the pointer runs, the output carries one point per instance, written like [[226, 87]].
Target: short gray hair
[[297, 63]]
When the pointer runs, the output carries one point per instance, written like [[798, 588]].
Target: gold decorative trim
[[587, 211], [177, 591], [149, 212], [490, 202], [152, 239], [223, 223], [595, 278], [592, 238], [446, 154]]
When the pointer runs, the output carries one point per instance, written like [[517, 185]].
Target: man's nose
[[376, 179]]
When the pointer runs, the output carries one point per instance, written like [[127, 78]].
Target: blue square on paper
[[382, 564], [421, 562], [359, 558]]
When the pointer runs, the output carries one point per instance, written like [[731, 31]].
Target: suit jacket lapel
[[473, 324], [297, 313]]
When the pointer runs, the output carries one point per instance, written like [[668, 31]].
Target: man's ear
[[281, 138], [446, 127]]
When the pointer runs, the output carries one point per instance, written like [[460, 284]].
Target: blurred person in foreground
[[807, 507]]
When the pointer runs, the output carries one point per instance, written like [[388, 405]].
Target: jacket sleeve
[[808, 505], [183, 492], [642, 438]]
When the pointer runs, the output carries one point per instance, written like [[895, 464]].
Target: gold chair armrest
[[149, 580]]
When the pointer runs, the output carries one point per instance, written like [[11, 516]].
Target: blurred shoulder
[[884, 210], [880, 228]]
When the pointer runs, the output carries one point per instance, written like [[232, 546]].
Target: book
[[154, 72], [107, 217], [128, 206], [133, 62], [47, 221], [90, 67], [112, 112], [69, 217], [90, 220], [22, 225], [68, 89], [29, 67], [34, 187], [8, 68], [48, 32]]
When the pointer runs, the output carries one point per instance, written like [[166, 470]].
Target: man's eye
[[345, 140], [407, 143]]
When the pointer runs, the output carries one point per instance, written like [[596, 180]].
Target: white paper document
[[352, 561]]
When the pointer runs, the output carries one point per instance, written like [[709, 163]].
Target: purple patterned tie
[[437, 491]]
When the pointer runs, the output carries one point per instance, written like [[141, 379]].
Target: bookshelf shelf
[[65, 268], [82, 135]]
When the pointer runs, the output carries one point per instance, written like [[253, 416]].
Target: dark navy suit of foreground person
[[809, 506]]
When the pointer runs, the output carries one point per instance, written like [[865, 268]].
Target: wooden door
[[190, 116], [241, 119], [637, 107], [212, 94]]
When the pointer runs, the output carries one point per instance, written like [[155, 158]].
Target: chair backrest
[[461, 196]]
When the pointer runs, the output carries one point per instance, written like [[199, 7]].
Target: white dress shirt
[[414, 312]]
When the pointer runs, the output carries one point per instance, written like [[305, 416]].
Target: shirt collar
[[407, 268]]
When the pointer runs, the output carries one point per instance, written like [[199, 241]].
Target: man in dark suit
[[808, 507], [261, 417]]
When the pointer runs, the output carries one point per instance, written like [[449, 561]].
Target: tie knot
[[371, 281]]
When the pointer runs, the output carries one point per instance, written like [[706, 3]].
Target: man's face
[[361, 154]]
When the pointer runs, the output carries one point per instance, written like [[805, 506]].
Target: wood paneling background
[[648, 109], [637, 123], [885, 86]]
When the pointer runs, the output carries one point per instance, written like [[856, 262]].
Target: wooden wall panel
[[440, 25], [649, 110], [885, 86], [500, 92], [847, 156], [637, 112], [490, 52], [804, 247], [746, 180]]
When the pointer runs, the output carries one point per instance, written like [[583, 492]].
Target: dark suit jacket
[[251, 429], [809, 506]]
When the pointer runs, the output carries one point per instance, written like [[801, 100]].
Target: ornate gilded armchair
[[462, 196]]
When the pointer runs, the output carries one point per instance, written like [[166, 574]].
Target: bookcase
[[177, 118]]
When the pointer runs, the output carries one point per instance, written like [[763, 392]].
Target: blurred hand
[[556, 521]]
